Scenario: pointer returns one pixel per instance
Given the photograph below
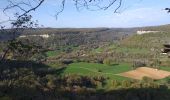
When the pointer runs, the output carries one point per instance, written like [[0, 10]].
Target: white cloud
[[138, 17], [129, 18]]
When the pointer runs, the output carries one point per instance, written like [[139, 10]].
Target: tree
[[168, 10], [17, 48], [27, 6], [126, 84], [107, 61], [115, 83], [137, 64]]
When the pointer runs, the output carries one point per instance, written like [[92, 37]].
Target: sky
[[133, 13]]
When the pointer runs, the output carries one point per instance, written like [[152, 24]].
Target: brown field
[[139, 73]]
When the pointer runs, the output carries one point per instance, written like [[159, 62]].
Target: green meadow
[[94, 69]]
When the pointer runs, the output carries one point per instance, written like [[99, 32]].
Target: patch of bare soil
[[141, 72]]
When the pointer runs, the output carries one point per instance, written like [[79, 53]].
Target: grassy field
[[93, 69], [165, 68], [52, 53], [165, 80], [60, 50]]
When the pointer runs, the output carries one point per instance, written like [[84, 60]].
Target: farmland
[[118, 72], [92, 69], [139, 73]]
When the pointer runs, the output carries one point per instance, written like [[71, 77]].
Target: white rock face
[[144, 32], [42, 35]]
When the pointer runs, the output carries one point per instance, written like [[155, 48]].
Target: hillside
[[164, 28], [81, 63], [150, 40]]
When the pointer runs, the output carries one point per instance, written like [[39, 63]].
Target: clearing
[[141, 72], [93, 69]]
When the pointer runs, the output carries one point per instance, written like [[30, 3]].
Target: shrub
[[99, 61], [126, 84], [107, 61], [115, 83], [67, 61], [137, 64], [147, 79], [99, 70], [5, 98]]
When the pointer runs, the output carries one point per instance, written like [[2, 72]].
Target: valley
[[98, 59]]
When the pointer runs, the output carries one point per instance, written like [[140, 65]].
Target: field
[[117, 72], [93, 69], [141, 72], [52, 53], [60, 50]]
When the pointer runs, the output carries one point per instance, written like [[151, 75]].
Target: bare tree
[[27, 6], [23, 22], [168, 10]]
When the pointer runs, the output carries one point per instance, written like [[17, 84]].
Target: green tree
[[147, 79], [115, 83], [126, 84], [107, 61]]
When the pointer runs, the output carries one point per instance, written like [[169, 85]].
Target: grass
[[60, 49], [117, 48], [165, 68], [164, 80], [93, 69], [98, 50], [52, 53]]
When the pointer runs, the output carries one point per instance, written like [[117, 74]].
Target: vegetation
[[35, 81], [78, 64], [85, 68], [93, 69]]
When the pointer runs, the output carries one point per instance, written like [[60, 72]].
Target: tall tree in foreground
[[15, 48]]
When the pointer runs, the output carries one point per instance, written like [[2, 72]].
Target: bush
[[126, 84], [137, 64], [5, 98], [99, 70], [115, 83], [147, 79], [67, 61], [99, 61], [107, 61]]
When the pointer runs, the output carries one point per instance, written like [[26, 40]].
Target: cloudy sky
[[133, 13]]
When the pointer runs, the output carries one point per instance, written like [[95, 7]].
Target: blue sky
[[133, 13]]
